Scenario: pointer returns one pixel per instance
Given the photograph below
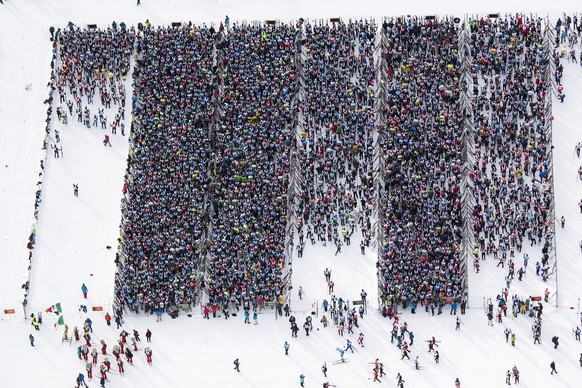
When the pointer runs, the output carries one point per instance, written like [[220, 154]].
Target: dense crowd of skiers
[[512, 176], [91, 71], [167, 180], [87, 348], [421, 141], [203, 150], [251, 170], [336, 134], [90, 355], [182, 86]]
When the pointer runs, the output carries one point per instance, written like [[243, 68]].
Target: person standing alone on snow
[[553, 366], [31, 339], [286, 347], [84, 290]]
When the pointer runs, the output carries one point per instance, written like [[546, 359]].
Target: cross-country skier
[[148, 335], [302, 379], [84, 290], [103, 371], [294, 329], [349, 345], [81, 380], [107, 363], [120, 367], [324, 366], [376, 375], [148, 354], [361, 339], [129, 355], [553, 366], [236, 365], [515, 375], [341, 352], [123, 335], [327, 274], [431, 344], [399, 380], [436, 356], [31, 339]]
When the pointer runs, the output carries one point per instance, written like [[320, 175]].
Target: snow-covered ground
[[72, 235]]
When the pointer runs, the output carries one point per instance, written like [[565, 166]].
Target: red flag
[[49, 310]]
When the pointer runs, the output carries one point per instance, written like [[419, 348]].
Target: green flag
[[61, 320], [58, 306]]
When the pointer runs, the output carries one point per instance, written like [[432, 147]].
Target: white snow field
[[72, 235]]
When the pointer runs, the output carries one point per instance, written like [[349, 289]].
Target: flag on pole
[[58, 306], [61, 320], [49, 310]]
